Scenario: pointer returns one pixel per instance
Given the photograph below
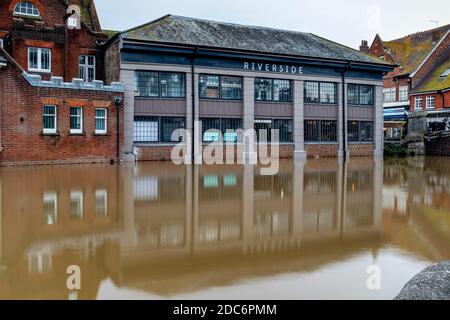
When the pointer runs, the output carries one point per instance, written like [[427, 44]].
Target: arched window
[[26, 8]]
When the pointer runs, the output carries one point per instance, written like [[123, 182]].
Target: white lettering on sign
[[270, 67]]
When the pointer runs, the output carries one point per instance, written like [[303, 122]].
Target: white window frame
[[77, 196], [76, 131], [403, 90], [417, 105], [27, 14], [105, 118], [55, 129], [86, 66], [390, 94], [39, 60], [431, 102], [103, 193], [1, 42]]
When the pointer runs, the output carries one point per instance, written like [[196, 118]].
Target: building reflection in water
[[166, 230]]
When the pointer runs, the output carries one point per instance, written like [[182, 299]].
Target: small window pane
[[329, 131], [76, 119], [353, 94], [285, 130], [312, 130], [231, 88], [311, 92], [33, 58], [366, 131], [27, 8], [169, 126], [211, 130], [209, 86], [353, 131], [49, 119], [263, 89], [366, 95]]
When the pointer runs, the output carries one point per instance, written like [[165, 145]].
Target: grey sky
[[347, 22]]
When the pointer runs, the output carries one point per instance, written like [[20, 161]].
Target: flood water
[[158, 231]]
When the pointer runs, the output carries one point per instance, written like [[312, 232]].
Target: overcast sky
[[347, 22]]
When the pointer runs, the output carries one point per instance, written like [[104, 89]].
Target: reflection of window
[[101, 202], [26, 8], [172, 235], [271, 224], [211, 182], [50, 208], [76, 204], [146, 188], [40, 262]]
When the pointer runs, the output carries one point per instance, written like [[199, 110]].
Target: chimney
[[436, 35], [364, 47]]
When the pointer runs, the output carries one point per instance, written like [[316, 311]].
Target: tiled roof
[[434, 81], [189, 31], [410, 51]]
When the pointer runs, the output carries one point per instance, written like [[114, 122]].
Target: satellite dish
[[74, 20]]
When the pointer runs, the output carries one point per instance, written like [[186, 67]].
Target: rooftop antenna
[[436, 22]]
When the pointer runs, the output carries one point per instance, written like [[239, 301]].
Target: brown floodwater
[[158, 231]]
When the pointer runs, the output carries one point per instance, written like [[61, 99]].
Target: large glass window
[[360, 131], [39, 59], [273, 90], [231, 88], [390, 94], [404, 93], [360, 94], [172, 85], [215, 129], [366, 131], [264, 127], [76, 120], [87, 68], [316, 131], [353, 131], [209, 86], [26, 8], [49, 119], [100, 121], [160, 84], [156, 129], [282, 90], [320, 92]]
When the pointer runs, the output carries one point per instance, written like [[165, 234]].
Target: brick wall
[[21, 123], [442, 100], [361, 150], [322, 150]]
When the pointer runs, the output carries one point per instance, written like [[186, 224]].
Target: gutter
[[344, 115]]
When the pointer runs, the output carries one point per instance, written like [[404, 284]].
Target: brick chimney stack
[[364, 47]]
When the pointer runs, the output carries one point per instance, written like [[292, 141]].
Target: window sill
[[360, 142], [96, 134], [27, 16], [320, 103], [40, 71], [74, 134], [51, 134], [360, 105]]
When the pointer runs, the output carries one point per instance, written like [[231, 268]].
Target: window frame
[[404, 90], [105, 118], [319, 92], [38, 15], [273, 124], [159, 95], [159, 120], [429, 105], [359, 104], [76, 131], [55, 129], [391, 93], [39, 60], [416, 100], [272, 97], [77, 195], [320, 132], [86, 66], [360, 139], [220, 96], [50, 197]]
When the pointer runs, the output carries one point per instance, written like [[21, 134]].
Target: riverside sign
[[272, 67]]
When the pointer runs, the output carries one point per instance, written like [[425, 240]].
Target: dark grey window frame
[[160, 119], [359, 104], [220, 98], [159, 96], [319, 83], [320, 126], [273, 91], [273, 125], [360, 138]]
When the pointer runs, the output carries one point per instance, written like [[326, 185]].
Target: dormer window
[[26, 8]]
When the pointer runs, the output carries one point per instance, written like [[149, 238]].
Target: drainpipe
[[344, 118], [118, 102], [194, 55], [66, 44]]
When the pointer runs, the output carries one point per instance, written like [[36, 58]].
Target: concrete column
[[379, 122], [299, 121], [128, 240], [189, 115], [197, 137], [195, 213], [248, 208], [127, 77], [297, 199], [250, 155], [378, 178]]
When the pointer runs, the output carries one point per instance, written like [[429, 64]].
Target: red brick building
[[54, 107], [422, 60]]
